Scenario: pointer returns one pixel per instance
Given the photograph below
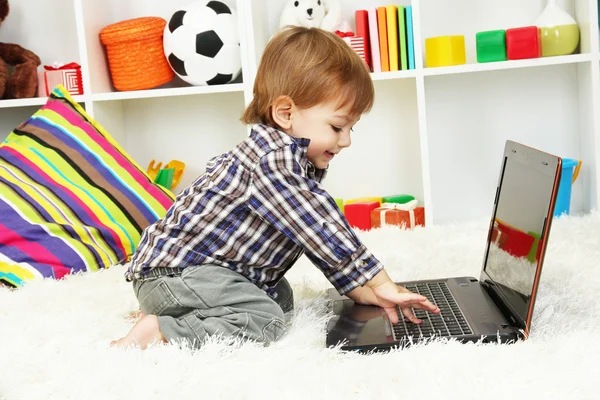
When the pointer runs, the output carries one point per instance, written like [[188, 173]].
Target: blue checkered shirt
[[255, 210]]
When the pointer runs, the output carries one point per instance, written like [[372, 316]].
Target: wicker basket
[[135, 53]]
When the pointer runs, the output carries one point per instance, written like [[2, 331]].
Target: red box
[[394, 214], [512, 240], [68, 75], [523, 43], [359, 214]]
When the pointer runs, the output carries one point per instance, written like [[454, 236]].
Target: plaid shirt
[[255, 210]]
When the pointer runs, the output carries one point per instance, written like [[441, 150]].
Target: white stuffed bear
[[324, 14]]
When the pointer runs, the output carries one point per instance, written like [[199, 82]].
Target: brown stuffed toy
[[23, 81]]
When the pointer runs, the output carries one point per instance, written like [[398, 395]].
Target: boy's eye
[[336, 129]]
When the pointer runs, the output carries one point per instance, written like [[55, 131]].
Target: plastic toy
[[491, 46], [152, 170], [570, 172], [359, 214], [155, 172], [179, 168], [523, 43], [443, 51], [165, 177]]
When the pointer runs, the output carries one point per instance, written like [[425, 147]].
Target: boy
[[214, 265]]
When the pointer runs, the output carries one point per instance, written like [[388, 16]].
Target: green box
[[491, 46]]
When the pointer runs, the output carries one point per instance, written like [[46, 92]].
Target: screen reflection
[[513, 252]]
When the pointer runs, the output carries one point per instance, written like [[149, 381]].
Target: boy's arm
[[297, 206]]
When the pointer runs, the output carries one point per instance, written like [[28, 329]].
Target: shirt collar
[[275, 135]]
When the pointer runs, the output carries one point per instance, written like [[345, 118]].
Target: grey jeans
[[212, 300]]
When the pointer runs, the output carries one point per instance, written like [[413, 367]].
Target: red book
[[362, 30]]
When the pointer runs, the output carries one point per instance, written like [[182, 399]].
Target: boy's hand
[[387, 295]]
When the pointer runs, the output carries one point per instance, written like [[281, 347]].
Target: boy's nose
[[345, 140], [309, 11]]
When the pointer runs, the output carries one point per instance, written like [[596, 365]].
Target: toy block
[[359, 214], [165, 177], [443, 51], [364, 200], [398, 199], [340, 203], [523, 43], [491, 46]]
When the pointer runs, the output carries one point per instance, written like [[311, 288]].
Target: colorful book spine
[[391, 12], [362, 30], [383, 39], [410, 41], [402, 38], [374, 40]]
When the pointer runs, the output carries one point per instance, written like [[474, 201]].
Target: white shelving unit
[[436, 133]]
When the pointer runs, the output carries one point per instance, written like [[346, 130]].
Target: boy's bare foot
[[136, 315], [145, 332]]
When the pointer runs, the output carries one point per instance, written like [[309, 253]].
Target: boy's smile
[[326, 126]]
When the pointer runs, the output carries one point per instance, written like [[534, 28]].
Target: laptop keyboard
[[449, 322]]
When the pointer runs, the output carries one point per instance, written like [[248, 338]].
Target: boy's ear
[[282, 111]]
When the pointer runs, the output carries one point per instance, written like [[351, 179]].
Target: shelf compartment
[[467, 132]]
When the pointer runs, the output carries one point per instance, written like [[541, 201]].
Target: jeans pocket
[[156, 298], [273, 331]]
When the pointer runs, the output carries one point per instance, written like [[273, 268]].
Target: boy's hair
[[311, 66]]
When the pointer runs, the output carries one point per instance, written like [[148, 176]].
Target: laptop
[[496, 307]]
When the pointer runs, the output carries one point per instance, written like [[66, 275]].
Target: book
[[374, 40], [402, 38], [391, 12], [410, 41], [362, 30], [383, 39]]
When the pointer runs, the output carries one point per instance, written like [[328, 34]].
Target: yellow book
[[392, 31]]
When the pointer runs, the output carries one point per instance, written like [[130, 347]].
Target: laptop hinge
[[515, 321]]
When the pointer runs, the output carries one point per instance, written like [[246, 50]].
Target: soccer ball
[[202, 43]]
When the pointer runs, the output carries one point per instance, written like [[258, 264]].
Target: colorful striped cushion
[[71, 199]]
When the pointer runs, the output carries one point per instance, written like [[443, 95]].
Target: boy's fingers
[[408, 313], [392, 314]]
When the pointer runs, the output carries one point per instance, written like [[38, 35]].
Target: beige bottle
[[559, 32]]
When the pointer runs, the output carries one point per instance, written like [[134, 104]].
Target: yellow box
[[443, 51], [364, 200]]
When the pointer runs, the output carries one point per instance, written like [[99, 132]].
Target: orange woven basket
[[135, 53]]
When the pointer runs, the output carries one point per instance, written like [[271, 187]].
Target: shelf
[[382, 76], [511, 64], [182, 91], [34, 101]]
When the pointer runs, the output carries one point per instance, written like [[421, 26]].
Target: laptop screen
[[523, 200]]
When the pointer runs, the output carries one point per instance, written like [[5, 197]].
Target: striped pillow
[[71, 199]]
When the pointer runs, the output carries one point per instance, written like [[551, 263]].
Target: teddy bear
[[23, 81], [324, 14]]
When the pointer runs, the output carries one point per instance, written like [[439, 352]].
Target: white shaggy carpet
[[54, 336]]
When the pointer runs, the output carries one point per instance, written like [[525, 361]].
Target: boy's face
[[327, 128]]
